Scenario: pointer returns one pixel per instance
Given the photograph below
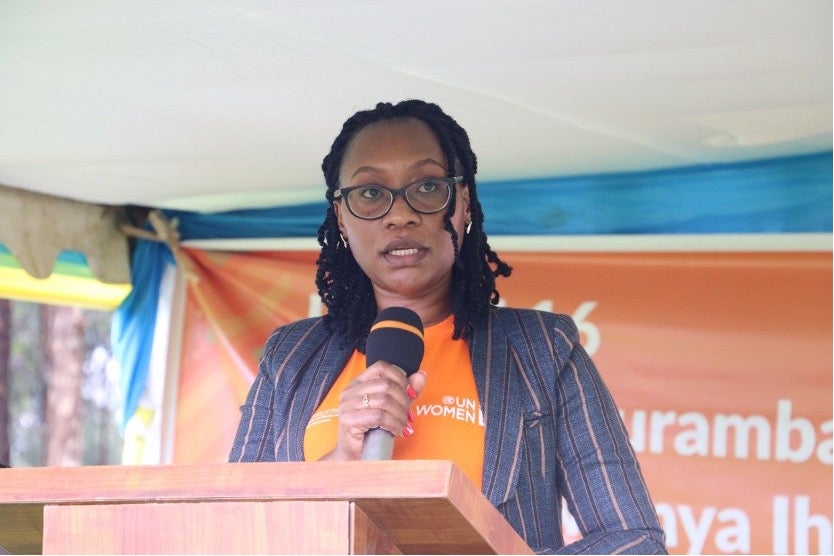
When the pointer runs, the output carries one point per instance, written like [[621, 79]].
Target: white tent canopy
[[212, 105]]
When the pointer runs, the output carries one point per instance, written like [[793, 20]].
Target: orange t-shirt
[[448, 423]]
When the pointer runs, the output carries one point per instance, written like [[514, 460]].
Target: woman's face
[[408, 256]]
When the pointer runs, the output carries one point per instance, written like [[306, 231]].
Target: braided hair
[[342, 285]]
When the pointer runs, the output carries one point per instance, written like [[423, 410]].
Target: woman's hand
[[380, 397]]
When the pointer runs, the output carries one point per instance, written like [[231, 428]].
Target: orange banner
[[721, 364]]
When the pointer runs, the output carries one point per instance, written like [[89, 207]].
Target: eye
[[429, 186], [369, 193]]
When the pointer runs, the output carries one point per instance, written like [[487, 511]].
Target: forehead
[[390, 143]]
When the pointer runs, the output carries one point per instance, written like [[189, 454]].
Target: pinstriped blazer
[[552, 429]]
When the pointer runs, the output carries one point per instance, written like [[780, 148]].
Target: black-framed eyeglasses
[[370, 202]]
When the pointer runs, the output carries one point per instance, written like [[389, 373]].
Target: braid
[[342, 285]]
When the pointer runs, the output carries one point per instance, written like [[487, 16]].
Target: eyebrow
[[416, 165]]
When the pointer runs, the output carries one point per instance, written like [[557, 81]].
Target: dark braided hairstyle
[[343, 286]]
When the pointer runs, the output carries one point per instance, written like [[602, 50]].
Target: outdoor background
[[59, 395]]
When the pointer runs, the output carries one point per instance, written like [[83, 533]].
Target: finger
[[384, 381], [384, 371], [376, 394], [416, 383], [373, 404], [383, 410]]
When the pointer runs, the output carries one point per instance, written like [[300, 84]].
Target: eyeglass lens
[[374, 201]]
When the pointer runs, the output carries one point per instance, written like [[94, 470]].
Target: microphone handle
[[379, 445]]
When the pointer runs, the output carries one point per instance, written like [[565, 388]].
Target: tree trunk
[[5, 383], [63, 344]]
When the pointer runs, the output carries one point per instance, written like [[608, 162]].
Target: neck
[[430, 313]]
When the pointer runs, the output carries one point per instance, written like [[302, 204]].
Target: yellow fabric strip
[[90, 293]]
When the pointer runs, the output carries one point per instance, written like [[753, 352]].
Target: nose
[[401, 213]]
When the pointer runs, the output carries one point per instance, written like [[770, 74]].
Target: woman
[[507, 394]]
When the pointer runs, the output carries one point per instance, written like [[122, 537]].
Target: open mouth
[[402, 248], [403, 252]]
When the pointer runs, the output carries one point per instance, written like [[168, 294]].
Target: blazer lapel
[[325, 360], [495, 366]]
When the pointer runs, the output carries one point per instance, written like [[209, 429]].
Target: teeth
[[403, 252]]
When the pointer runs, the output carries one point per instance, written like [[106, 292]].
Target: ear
[[464, 201], [337, 210]]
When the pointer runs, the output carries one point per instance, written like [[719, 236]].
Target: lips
[[402, 248], [403, 252]]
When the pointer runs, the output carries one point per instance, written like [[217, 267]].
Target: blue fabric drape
[[787, 195], [291, 221], [784, 195], [132, 327]]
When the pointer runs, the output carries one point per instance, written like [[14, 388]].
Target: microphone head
[[396, 337]]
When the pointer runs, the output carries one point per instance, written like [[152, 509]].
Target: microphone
[[396, 337]]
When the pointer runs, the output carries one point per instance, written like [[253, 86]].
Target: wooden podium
[[379, 507]]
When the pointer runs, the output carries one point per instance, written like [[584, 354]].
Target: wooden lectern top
[[423, 507]]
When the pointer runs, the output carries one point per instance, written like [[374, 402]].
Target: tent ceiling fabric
[[215, 105]]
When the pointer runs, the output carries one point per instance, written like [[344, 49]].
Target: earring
[[344, 241], [468, 227]]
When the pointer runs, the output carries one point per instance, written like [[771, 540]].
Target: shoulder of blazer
[[523, 326], [299, 327], [298, 341]]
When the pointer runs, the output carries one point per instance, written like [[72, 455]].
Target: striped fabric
[[552, 429]]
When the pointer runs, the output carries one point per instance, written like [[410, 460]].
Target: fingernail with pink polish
[[408, 430], [411, 392]]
